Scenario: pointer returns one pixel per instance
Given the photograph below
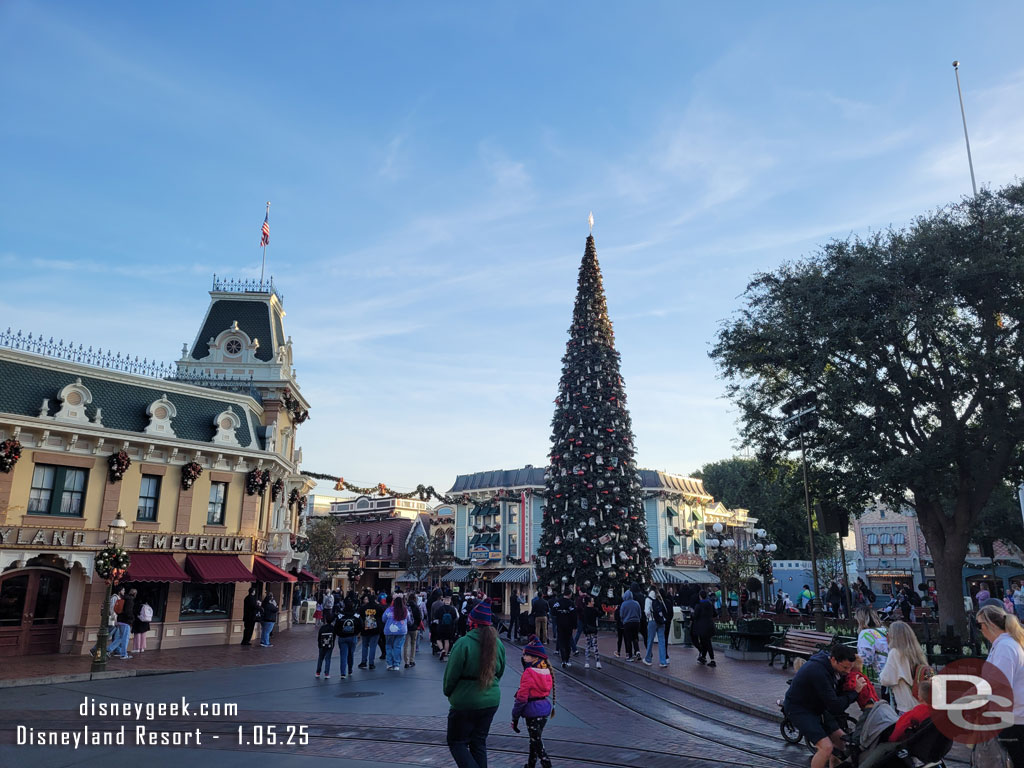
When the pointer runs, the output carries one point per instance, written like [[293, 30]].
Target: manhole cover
[[359, 694]]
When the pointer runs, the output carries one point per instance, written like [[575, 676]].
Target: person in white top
[[904, 659], [1005, 637]]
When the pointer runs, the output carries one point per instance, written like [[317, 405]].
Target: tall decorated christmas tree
[[594, 534]]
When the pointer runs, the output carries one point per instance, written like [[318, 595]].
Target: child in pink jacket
[[531, 700]]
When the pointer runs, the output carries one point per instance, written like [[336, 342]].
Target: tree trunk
[[947, 543]]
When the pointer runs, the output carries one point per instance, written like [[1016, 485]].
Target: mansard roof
[[29, 379], [529, 477], [254, 318]]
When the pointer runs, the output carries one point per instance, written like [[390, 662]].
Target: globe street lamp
[[115, 539], [764, 552]]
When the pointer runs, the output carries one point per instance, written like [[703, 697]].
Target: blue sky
[[431, 167]]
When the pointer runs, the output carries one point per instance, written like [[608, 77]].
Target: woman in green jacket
[[471, 678]]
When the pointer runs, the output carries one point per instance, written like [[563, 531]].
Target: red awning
[[378, 540], [305, 575], [390, 539], [359, 540], [264, 570], [154, 566], [217, 569]]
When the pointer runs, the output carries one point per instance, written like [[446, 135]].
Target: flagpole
[[963, 116], [263, 267]]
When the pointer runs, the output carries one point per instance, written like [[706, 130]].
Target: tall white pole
[[963, 116]]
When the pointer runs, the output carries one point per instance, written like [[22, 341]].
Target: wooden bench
[[800, 643]]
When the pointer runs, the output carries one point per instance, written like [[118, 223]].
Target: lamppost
[[802, 414], [115, 538], [719, 557], [764, 552]]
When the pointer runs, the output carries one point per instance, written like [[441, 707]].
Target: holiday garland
[[355, 573], [110, 560], [10, 452], [118, 464], [293, 498], [421, 493], [189, 474], [299, 414], [276, 489], [256, 481]]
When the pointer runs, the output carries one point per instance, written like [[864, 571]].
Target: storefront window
[[152, 592], [205, 601]]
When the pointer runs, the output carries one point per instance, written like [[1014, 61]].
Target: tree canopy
[[912, 339], [774, 494]]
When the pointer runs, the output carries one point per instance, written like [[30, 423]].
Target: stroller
[[868, 745]]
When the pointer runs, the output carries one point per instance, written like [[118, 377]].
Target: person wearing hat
[[471, 683], [531, 703]]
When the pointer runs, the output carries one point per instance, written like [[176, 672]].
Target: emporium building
[[198, 458]]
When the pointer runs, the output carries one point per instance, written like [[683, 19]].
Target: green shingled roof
[[253, 317], [124, 404]]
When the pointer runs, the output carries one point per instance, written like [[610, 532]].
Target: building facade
[[199, 459], [381, 532]]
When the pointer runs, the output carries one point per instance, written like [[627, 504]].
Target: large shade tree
[[913, 340], [594, 534]]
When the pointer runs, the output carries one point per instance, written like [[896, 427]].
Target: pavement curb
[[84, 677], [687, 687]]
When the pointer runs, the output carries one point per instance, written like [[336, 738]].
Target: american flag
[[265, 239]]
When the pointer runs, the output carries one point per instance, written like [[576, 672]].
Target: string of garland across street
[[427, 492]]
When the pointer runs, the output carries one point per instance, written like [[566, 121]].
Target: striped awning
[[457, 574], [515, 576], [683, 576]]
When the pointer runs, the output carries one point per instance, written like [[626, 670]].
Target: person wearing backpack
[[325, 649], [443, 619], [140, 626], [371, 629], [415, 624], [347, 623], [905, 666], [125, 608], [657, 617]]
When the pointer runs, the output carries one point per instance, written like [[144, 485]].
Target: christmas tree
[[594, 534]]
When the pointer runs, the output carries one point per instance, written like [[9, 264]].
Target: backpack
[[658, 611], [325, 639], [922, 673], [145, 612], [446, 617], [346, 626], [119, 605]]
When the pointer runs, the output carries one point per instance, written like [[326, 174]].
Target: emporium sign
[[63, 538]]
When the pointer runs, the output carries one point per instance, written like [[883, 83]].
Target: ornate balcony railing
[[115, 361], [230, 285]]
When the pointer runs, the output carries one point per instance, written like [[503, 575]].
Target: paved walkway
[[296, 644]]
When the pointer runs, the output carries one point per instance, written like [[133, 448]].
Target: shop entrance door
[[31, 611]]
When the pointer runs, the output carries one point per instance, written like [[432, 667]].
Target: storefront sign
[[194, 543], [688, 560], [64, 538], [483, 554], [525, 528], [45, 537]]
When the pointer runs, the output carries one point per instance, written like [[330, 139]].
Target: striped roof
[[688, 486]]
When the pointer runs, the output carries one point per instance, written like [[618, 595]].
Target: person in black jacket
[[372, 613], [514, 609], [249, 607], [702, 628], [564, 610], [325, 649], [268, 618], [348, 623], [813, 702]]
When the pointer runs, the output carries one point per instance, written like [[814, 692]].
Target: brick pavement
[[295, 644]]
